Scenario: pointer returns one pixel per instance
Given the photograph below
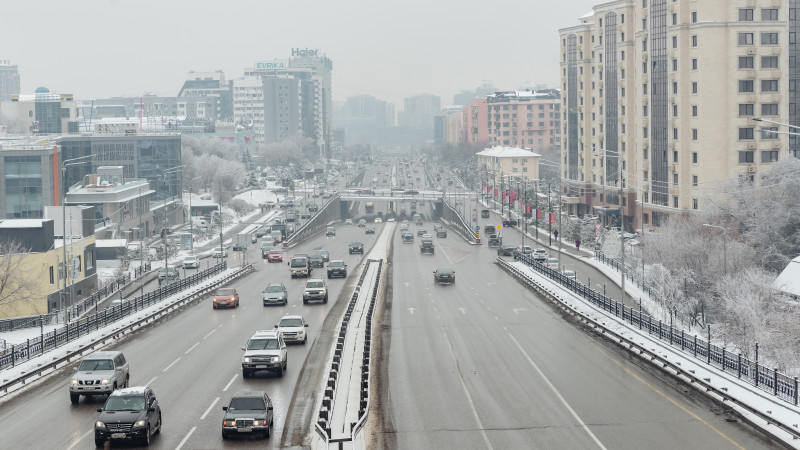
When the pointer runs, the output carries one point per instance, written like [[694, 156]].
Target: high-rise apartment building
[[283, 108], [316, 70], [524, 119], [210, 84], [660, 98], [419, 110], [248, 104], [9, 80]]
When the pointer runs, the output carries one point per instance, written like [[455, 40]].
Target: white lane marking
[[229, 383], [558, 394], [172, 364], [209, 408], [150, 383], [186, 438], [463, 310], [209, 334], [82, 437], [466, 392], [191, 348], [233, 315], [517, 310], [411, 310]]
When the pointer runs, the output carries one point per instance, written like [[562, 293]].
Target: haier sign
[[278, 64], [305, 52]]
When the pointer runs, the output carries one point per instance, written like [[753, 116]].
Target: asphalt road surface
[[484, 363]]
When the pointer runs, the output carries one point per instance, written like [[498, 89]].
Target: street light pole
[[64, 164], [191, 222]]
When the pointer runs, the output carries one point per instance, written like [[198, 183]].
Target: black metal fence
[[16, 354], [766, 379], [19, 323]]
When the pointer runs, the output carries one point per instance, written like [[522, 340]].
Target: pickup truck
[[495, 240]]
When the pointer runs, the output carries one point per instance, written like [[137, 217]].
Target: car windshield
[[247, 404], [274, 288], [125, 403], [445, 272], [224, 292], [314, 284], [356, 244], [298, 262], [96, 364], [336, 264], [263, 344], [291, 323], [274, 252]]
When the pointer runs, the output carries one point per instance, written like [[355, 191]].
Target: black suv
[[444, 276], [356, 247], [129, 414], [441, 233], [249, 412], [337, 268], [506, 250]]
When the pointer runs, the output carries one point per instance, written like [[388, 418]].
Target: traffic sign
[[477, 227], [499, 227]]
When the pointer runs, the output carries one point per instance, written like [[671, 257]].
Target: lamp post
[[64, 164], [191, 222], [724, 247], [790, 126], [621, 214]]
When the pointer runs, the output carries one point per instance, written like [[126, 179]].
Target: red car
[[275, 255], [226, 297], [368, 191]]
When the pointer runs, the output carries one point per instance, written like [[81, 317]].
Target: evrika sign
[[268, 66]]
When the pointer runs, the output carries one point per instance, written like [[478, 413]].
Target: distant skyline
[[392, 50]]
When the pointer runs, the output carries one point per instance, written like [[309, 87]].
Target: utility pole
[[560, 213], [621, 230], [549, 212], [502, 194], [536, 212]]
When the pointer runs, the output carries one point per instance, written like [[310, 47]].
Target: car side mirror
[[224, 408], [306, 325], [242, 348], [152, 409], [269, 408], [99, 409], [276, 326]]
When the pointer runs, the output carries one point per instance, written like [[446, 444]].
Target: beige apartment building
[[500, 165], [663, 99]]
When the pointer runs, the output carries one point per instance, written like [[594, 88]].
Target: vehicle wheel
[[305, 302], [245, 374], [267, 434], [304, 339], [214, 306], [99, 443], [114, 388], [127, 380], [281, 370], [146, 438], [74, 398], [158, 430], [224, 436], [325, 300]]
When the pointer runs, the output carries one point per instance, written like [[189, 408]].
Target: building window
[[52, 275], [694, 87], [694, 134], [769, 14], [745, 157], [694, 157], [674, 201], [769, 109], [769, 38], [674, 179], [769, 62], [675, 87], [769, 156], [694, 110], [746, 86], [694, 203], [769, 133], [674, 41], [746, 39], [769, 85], [694, 63], [746, 109], [746, 62], [694, 180], [746, 15], [674, 65], [746, 133], [675, 134], [694, 40], [694, 16]]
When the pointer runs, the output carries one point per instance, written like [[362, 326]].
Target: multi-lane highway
[[193, 363], [482, 363]]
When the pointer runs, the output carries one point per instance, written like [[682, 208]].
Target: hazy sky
[[390, 49]]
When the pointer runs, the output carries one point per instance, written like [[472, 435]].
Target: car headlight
[[99, 424], [246, 359], [276, 358], [74, 382], [281, 297], [139, 423], [104, 382]]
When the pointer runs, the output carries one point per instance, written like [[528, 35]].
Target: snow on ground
[[755, 398]]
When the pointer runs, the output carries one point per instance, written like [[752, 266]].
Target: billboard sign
[[271, 66]]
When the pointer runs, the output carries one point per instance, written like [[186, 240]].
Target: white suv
[[265, 350], [99, 373], [316, 289], [292, 328]]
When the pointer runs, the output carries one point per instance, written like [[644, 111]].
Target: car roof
[[264, 333], [249, 394], [335, 261], [275, 284], [103, 355], [444, 270], [136, 390], [313, 279], [292, 316]]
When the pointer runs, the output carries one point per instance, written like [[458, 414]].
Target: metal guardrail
[[454, 219], [16, 354], [315, 225], [322, 425], [19, 323], [768, 380]]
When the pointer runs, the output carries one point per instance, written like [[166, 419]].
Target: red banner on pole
[[552, 218]]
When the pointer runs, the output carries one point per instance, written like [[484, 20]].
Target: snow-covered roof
[[22, 223], [508, 152], [789, 280], [105, 243]]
